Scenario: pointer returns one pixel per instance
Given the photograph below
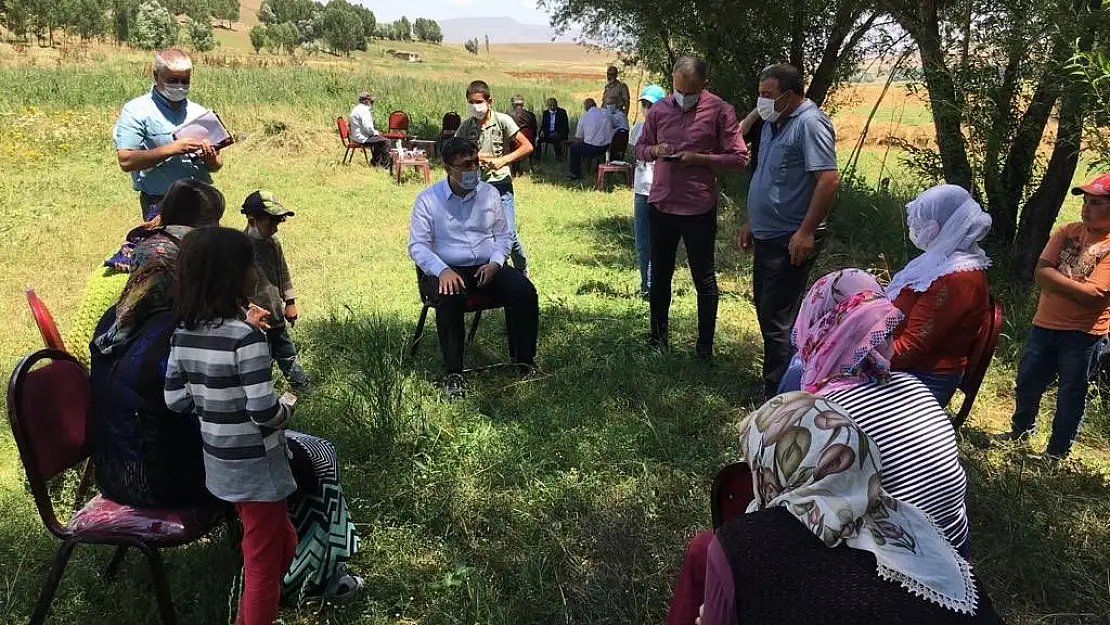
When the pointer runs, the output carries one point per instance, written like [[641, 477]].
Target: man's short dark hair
[[478, 86], [612, 69], [788, 76], [455, 147], [692, 66], [192, 203], [590, 103]]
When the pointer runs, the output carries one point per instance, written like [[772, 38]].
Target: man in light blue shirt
[[459, 238], [791, 193], [144, 139]]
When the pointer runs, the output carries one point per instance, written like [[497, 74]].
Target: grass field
[[565, 498]]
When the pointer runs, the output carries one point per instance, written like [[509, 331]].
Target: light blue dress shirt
[[782, 185], [147, 122], [452, 231]]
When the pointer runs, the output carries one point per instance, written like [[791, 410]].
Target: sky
[[523, 11]]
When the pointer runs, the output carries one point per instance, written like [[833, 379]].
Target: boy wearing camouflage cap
[[273, 285]]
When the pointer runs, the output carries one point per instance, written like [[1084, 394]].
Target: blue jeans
[[641, 226], [942, 385], [505, 187], [1070, 356], [792, 379]]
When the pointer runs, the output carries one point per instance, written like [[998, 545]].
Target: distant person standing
[[792, 191], [689, 135], [144, 140], [363, 131], [500, 145], [641, 209], [617, 89], [591, 138], [555, 127]]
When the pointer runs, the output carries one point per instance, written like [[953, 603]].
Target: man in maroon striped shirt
[[689, 135]]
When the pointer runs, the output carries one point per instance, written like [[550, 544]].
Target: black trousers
[[579, 151], [556, 142], [379, 150], [699, 234], [778, 288], [522, 315]]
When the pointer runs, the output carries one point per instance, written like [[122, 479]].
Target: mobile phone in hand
[[672, 157]]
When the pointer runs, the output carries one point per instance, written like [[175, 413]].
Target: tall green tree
[[155, 28], [259, 36], [124, 13], [201, 36], [342, 27], [226, 11], [369, 21]]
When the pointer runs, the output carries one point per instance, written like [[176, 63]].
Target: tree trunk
[[1044, 205], [947, 110], [1005, 221], [798, 35], [835, 51]]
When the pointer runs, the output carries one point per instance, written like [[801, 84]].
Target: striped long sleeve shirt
[[221, 372]]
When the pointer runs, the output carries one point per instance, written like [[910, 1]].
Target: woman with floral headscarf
[[822, 520], [844, 338], [944, 292]]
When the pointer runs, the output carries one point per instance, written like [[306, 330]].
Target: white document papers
[[206, 126]]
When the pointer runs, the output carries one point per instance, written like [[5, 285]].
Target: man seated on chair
[[363, 131], [618, 117], [460, 238], [554, 128], [522, 116], [594, 134]]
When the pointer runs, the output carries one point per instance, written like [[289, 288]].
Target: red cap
[[1098, 186]]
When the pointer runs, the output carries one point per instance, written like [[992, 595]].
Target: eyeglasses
[[183, 82]]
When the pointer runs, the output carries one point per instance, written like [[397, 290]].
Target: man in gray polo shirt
[[791, 193]]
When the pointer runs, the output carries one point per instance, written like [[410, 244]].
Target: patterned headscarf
[[947, 224], [808, 457], [843, 332]]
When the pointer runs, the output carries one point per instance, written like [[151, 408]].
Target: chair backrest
[[344, 129], [398, 121], [618, 146], [451, 122], [982, 351], [732, 492], [45, 321], [49, 409]]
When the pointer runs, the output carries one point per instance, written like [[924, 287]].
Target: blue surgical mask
[[686, 101], [469, 180]]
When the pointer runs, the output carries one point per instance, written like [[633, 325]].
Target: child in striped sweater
[[219, 368]]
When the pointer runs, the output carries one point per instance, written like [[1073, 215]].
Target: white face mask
[[686, 101], [922, 234], [766, 108], [175, 93], [478, 111]]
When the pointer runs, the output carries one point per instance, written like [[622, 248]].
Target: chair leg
[[46, 597], [366, 155], [474, 327], [161, 585], [419, 333], [112, 569], [346, 155], [600, 179]]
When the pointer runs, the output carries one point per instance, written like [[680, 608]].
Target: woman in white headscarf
[[823, 541], [943, 293]]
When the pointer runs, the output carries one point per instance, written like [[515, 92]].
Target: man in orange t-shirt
[[1072, 320]]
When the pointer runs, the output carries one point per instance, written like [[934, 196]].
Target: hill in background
[[500, 30]]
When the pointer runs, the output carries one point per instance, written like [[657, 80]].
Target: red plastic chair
[[45, 321], [398, 126], [49, 411], [451, 123], [982, 351], [732, 492], [476, 303], [345, 140]]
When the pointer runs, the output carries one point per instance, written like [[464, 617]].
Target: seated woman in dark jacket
[[822, 542], [147, 456]]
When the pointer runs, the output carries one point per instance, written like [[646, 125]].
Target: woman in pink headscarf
[[844, 337]]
